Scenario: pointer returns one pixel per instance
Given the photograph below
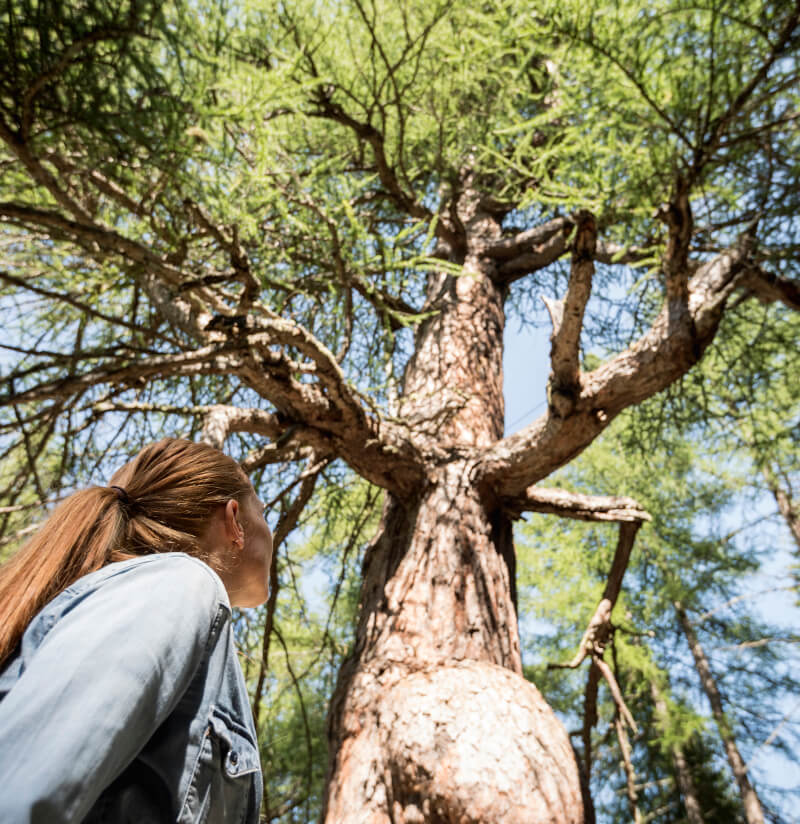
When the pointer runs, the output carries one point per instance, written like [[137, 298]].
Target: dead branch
[[599, 631], [566, 316], [556, 501]]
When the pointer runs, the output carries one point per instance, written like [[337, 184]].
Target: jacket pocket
[[222, 789], [239, 752]]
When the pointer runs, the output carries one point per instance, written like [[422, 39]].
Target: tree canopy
[[299, 231]]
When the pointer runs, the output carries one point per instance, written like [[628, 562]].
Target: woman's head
[[171, 489], [174, 496]]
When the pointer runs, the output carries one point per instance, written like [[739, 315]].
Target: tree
[[299, 231]]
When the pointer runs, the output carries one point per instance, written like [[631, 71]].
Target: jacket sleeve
[[105, 677]]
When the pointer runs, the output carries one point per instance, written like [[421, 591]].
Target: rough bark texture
[[432, 720], [752, 806]]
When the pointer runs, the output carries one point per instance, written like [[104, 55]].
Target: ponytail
[[159, 502]]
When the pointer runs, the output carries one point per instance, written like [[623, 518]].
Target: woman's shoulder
[[150, 578], [173, 565]]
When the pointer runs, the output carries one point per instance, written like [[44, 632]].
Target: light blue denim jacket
[[125, 703]]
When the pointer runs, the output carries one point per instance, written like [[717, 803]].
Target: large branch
[[770, 288], [530, 250], [533, 249], [327, 413], [674, 343]]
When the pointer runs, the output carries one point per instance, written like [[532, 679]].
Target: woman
[[121, 697]]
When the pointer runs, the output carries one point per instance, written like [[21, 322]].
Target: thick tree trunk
[[752, 806], [431, 720]]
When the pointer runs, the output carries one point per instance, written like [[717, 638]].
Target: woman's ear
[[233, 526]]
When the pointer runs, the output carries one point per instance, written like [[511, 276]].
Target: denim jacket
[[125, 703]]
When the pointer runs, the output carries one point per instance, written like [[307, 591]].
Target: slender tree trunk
[[683, 774], [630, 773], [431, 720], [786, 504], [752, 806]]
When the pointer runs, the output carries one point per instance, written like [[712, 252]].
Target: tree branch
[[589, 717], [769, 288], [563, 385], [722, 123], [555, 501], [405, 201], [630, 774], [533, 249], [87, 310], [599, 631], [286, 523], [677, 215], [206, 361], [530, 250]]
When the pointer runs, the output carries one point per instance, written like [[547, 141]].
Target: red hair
[[161, 501]]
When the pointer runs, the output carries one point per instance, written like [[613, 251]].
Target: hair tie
[[122, 495]]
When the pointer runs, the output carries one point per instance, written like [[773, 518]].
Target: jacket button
[[234, 757]]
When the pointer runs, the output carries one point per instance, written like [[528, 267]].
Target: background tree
[[299, 231]]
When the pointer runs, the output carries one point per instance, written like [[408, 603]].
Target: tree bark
[[752, 805], [432, 720]]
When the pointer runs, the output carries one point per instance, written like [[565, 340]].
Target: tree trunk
[[752, 806], [431, 720], [627, 767], [786, 505], [683, 774]]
